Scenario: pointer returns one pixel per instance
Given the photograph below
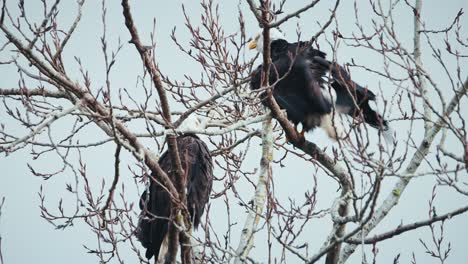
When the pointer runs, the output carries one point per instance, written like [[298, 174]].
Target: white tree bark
[[417, 58], [53, 117], [250, 227]]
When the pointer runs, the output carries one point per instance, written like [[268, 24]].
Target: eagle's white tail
[[389, 135], [332, 126]]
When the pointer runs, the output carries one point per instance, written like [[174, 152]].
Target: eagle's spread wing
[[352, 98]]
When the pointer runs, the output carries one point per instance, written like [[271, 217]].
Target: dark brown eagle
[[156, 205], [299, 74]]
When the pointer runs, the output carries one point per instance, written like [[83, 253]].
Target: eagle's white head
[[193, 123], [257, 42]]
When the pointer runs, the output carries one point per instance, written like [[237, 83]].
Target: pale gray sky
[[28, 238]]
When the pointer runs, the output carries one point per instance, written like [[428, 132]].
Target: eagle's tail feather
[[332, 126], [389, 135]]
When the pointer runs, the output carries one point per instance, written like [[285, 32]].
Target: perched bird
[[156, 204], [300, 74]]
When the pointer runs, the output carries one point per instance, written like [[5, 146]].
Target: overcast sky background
[[27, 238]]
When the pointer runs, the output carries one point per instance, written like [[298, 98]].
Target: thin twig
[[409, 227]]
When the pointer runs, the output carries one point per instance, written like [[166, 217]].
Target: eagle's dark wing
[[300, 84], [296, 88], [305, 49], [351, 97], [152, 228], [200, 176], [198, 166]]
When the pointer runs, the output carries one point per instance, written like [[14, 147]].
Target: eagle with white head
[[312, 89]]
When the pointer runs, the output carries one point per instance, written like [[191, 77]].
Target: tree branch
[[33, 92], [405, 228], [421, 152], [293, 14], [53, 117], [417, 58], [114, 182], [89, 104], [179, 182], [251, 222]]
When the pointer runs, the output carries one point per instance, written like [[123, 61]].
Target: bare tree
[[56, 105]]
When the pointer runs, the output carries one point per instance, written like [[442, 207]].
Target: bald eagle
[[299, 75], [156, 205]]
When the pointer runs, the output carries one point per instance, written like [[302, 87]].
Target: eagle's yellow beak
[[253, 44]]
